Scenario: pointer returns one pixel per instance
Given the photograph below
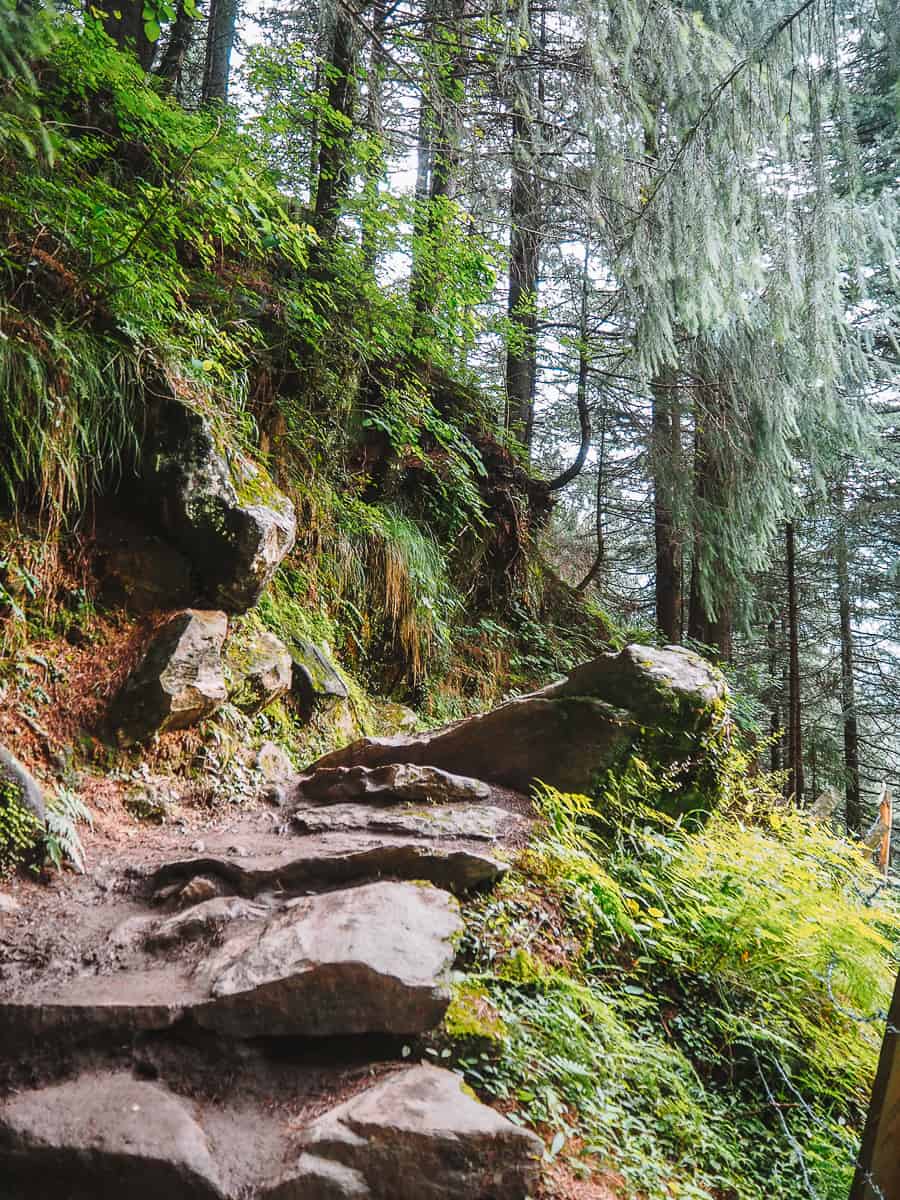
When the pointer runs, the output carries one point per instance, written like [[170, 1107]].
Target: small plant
[[61, 841], [19, 828]]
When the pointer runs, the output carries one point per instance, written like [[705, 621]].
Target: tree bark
[[179, 42], [775, 684], [584, 415], [336, 134], [795, 734], [853, 808], [220, 34], [524, 258], [665, 458], [375, 126]]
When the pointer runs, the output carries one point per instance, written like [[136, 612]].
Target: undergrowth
[[699, 1009]]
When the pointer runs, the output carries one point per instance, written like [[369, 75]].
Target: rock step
[[265, 861], [414, 1135], [374, 959]]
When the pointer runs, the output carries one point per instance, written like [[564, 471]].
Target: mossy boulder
[[219, 508], [179, 681], [315, 683], [260, 670]]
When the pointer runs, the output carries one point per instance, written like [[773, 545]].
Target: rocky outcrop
[[145, 575], [217, 507], [261, 670], [416, 1136], [565, 735], [178, 682], [21, 783], [316, 685]]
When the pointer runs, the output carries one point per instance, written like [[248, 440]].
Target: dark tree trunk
[[180, 37], [853, 810], [125, 25], [795, 734], [665, 458], [336, 135], [220, 33], [710, 620], [524, 260], [775, 684], [581, 393], [375, 126]]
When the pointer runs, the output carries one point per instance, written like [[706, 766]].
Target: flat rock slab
[[480, 822], [372, 959], [261, 862], [415, 1136]]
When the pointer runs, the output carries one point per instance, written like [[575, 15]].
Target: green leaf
[[152, 31]]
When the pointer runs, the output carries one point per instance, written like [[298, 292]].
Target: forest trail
[[256, 1013]]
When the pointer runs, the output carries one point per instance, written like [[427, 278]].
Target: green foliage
[[62, 844], [693, 999], [20, 829]]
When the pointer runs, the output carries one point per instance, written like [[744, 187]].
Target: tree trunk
[[853, 809], [125, 25], [180, 37], [336, 137], [375, 169], [665, 459], [524, 259], [775, 684], [795, 736], [220, 34], [581, 393]]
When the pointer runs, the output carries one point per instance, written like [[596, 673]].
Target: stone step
[[373, 959], [413, 1135]]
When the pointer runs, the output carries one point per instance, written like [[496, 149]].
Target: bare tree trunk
[[524, 257], [775, 684], [665, 458], [375, 125], [336, 135], [584, 415], [600, 556], [180, 37], [220, 34], [853, 809], [795, 734]]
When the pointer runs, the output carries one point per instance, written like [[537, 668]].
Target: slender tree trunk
[[337, 133], [220, 34], [180, 37], [524, 256], [775, 684], [853, 810], [596, 567], [795, 735], [125, 25], [581, 393], [375, 124], [665, 458]]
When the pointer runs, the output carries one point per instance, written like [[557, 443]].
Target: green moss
[[472, 1016], [20, 829]]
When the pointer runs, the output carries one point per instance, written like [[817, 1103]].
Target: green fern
[[61, 841]]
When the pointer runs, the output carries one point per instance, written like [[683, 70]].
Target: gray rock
[[204, 921], [565, 742], [8, 905], [18, 780], [180, 680], [149, 801], [262, 671], [418, 1136], [220, 509], [479, 822], [105, 1136], [667, 686], [274, 763], [391, 784], [372, 959], [392, 717], [146, 576], [315, 682]]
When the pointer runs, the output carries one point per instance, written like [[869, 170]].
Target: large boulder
[[261, 671], [567, 734], [415, 1136], [105, 1136], [315, 682], [179, 681], [17, 781], [391, 784], [219, 508], [372, 959]]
